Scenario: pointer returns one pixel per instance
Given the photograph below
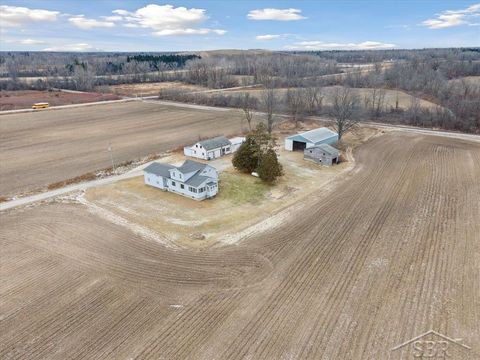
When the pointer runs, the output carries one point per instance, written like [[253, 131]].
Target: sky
[[127, 25]]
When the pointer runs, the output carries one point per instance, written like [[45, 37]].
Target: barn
[[310, 138], [322, 154]]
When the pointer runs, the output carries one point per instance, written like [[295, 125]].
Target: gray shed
[[323, 154]]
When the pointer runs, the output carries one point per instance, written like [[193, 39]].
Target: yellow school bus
[[41, 105]]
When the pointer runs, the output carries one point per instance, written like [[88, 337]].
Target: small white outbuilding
[[213, 148]]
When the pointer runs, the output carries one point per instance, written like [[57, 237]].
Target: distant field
[[11, 100], [146, 89], [404, 99], [473, 80], [40, 148]]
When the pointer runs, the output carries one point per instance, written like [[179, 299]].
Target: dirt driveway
[[37, 149], [389, 253]]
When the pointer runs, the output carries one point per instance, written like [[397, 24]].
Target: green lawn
[[241, 188]]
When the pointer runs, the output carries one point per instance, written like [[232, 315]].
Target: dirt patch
[[11, 100]]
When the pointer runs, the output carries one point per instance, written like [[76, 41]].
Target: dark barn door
[[299, 146]]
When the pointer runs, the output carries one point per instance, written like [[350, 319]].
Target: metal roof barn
[[310, 138]]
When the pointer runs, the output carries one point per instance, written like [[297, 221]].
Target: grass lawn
[[239, 188]]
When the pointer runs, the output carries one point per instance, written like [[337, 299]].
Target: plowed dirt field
[[391, 252], [44, 147]]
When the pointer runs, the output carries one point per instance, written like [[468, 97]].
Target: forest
[[444, 77]]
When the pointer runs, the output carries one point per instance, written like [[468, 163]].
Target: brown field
[[11, 100], [150, 89], [404, 99], [471, 80], [40, 148], [389, 253]]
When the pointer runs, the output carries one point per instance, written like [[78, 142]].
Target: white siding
[[288, 144], [154, 180], [196, 152]]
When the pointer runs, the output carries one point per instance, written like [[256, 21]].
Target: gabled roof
[[330, 150], [159, 169], [215, 142], [197, 180], [315, 135], [190, 166]]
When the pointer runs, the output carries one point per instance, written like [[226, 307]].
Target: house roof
[[197, 180], [237, 140], [315, 136], [159, 169], [330, 150], [215, 142], [190, 166]]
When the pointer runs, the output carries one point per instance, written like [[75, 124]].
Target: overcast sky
[[103, 25]]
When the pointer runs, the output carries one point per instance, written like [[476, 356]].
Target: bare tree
[[247, 107], [295, 104], [313, 99], [375, 102], [344, 110], [269, 103], [83, 77], [413, 112]]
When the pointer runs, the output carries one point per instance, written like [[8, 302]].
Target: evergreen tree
[[246, 157], [269, 168], [257, 154]]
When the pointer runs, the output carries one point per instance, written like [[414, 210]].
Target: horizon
[[183, 26]]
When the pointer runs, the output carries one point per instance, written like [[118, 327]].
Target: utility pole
[[110, 150]]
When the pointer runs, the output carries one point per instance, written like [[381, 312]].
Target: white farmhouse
[[192, 179], [213, 148]]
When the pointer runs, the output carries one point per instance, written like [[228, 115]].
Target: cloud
[[14, 16], [25, 41], [452, 18], [72, 47], [320, 45], [276, 14], [267, 37], [31, 42], [171, 32], [84, 23], [167, 20]]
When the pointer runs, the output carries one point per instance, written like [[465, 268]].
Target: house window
[[227, 148], [173, 183], [180, 175], [192, 189], [182, 186]]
